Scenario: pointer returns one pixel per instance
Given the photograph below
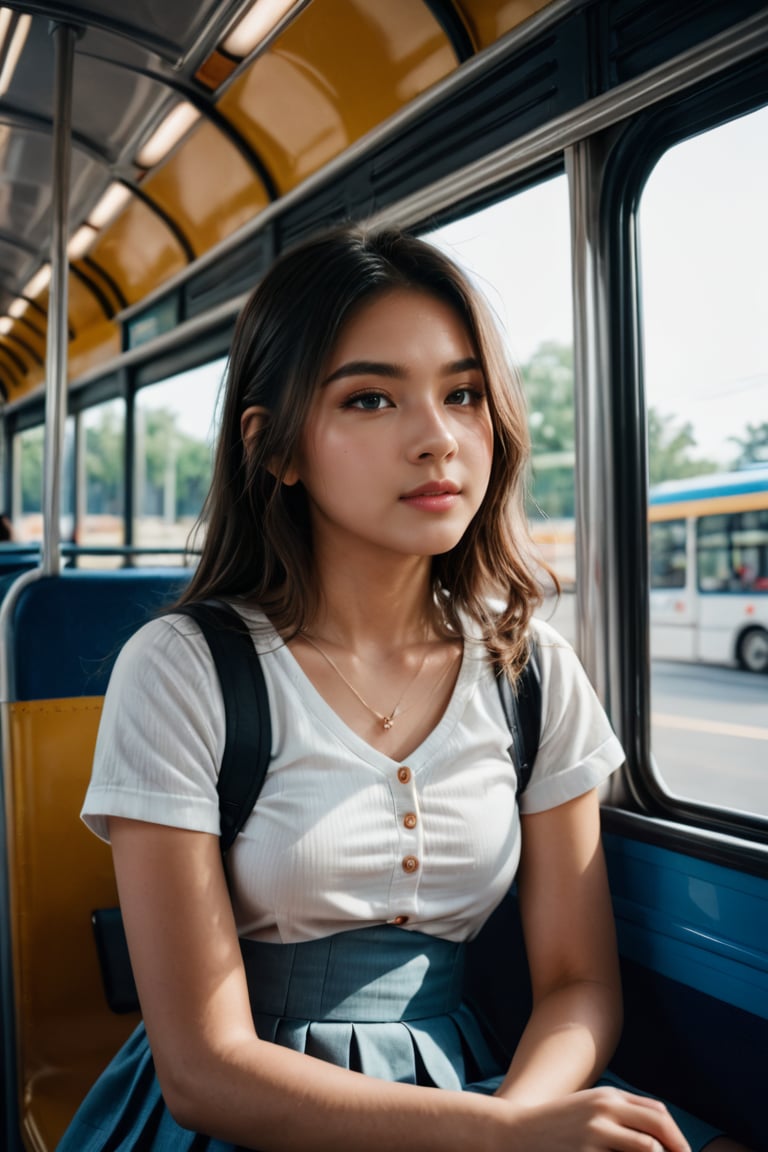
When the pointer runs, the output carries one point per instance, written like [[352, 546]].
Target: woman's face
[[397, 448]]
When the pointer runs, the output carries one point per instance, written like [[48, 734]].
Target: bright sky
[[704, 258], [192, 395], [704, 229], [519, 253]]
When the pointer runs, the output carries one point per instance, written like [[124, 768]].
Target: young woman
[[365, 518]]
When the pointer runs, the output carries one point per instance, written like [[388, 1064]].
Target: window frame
[[633, 152]]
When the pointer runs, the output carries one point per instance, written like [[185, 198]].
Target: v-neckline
[[322, 710]]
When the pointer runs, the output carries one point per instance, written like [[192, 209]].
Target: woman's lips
[[438, 496]]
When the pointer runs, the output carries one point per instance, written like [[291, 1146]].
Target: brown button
[[410, 820], [403, 774], [398, 920], [410, 864]]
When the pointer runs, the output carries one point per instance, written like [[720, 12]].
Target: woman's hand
[[598, 1120]]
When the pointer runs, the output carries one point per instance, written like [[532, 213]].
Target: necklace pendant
[[387, 723]]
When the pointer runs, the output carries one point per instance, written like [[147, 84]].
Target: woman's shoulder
[[550, 644], [559, 664], [167, 650], [175, 634], [162, 635]]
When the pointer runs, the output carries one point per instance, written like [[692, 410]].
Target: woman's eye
[[368, 401], [464, 397]]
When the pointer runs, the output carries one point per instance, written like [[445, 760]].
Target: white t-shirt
[[328, 847]]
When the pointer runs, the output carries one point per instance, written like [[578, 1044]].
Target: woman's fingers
[[601, 1120], [653, 1117], [643, 1124]]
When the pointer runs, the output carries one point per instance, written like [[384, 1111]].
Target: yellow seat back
[[58, 873]]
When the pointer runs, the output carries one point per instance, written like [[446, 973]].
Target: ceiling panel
[[171, 28], [335, 71]]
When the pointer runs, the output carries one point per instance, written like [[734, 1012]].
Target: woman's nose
[[432, 437]]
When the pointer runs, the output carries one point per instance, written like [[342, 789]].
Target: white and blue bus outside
[[709, 569]]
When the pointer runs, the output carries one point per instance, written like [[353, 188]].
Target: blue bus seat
[[67, 630], [62, 638]]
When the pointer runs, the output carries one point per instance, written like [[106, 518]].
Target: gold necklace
[[386, 720]]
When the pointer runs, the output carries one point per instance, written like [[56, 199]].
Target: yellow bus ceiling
[[93, 345], [100, 282], [487, 20], [25, 342], [336, 72], [84, 306], [14, 381], [208, 187], [139, 251], [215, 70]]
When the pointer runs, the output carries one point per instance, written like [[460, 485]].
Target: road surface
[[709, 731]]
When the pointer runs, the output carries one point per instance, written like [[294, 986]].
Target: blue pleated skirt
[[383, 1001]]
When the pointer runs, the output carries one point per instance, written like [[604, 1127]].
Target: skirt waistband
[[374, 974]]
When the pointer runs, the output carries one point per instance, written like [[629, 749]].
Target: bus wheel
[[753, 650]]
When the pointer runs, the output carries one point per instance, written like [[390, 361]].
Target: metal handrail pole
[[57, 333]]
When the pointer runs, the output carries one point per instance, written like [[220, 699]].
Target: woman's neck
[[380, 604]]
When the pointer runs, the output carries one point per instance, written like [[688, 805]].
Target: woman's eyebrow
[[395, 371], [468, 364], [366, 368]]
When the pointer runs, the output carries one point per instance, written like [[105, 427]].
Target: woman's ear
[[252, 421]]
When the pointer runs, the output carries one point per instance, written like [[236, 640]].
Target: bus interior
[[600, 167]]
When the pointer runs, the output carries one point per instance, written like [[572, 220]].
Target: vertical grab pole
[[58, 305]]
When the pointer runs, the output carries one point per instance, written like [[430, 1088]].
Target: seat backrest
[[62, 636]]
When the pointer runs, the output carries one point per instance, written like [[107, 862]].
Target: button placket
[[407, 871]]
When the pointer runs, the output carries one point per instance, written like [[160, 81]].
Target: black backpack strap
[[248, 743], [243, 767], [522, 709]]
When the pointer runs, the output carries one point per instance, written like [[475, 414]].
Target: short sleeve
[[578, 748], [162, 732]]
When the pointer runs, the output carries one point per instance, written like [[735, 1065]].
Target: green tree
[[158, 444], [194, 461], [548, 381], [166, 447], [548, 378], [104, 448], [670, 444], [32, 470], [752, 444]]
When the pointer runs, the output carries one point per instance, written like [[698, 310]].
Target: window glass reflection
[[175, 428], [704, 256]]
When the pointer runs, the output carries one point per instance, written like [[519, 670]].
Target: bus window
[[505, 247], [27, 512], [100, 488], [715, 570], [68, 496], [732, 552], [28, 484], [668, 565], [703, 235], [174, 422]]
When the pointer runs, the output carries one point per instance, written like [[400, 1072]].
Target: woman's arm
[[567, 920], [218, 1077]]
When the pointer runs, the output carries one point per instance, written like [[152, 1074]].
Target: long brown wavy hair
[[258, 541]]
